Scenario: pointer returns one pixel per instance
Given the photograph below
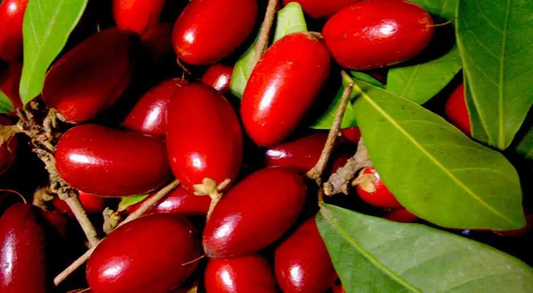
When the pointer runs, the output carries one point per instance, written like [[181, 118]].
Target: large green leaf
[[433, 169], [290, 20], [46, 28], [375, 255], [494, 38], [6, 105], [443, 8], [477, 130]]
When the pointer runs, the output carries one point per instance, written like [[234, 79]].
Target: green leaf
[[494, 38], [419, 83], [6, 105], [366, 78], [376, 255], [525, 147], [443, 8], [477, 130], [435, 170], [127, 201], [46, 28], [290, 20]]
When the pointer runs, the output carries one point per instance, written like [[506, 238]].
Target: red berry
[[11, 17], [457, 110], [91, 204], [145, 255], [218, 76], [157, 42], [9, 83], [109, 162], [338, 289], [149, 115], [353, 134], [204, 137], [401, 215], [321, 8], [377, 33], [180, 201], [245, 274], [137, 15], [102, 65], [302, 262], [295, 66], [209, 30], [22, 254], [269, 201], [373, 191]]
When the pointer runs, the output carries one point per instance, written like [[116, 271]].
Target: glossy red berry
[[91, 204], [321, 8], [276, 194], [204, 137], [22, 251], [209, 30], [145, 255], [373, 191], [9, 83], [149, 115], [302, 262], [353, 134], [300, 154], [244, 274], [401, 215], [11, 17], [219, 77], [457, 111], [377, 33], [110, 162], [180, 201], [103, 65], [137, 15], [295, 66]]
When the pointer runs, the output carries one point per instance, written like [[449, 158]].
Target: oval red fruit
[[218, 76], [9, 83], [204, 137], [276, 194], [321, 8], [295, 66], [92, 204], [373, 34], [375, 192], [302, 262], [22, 251], [401, 216], [209, 30], [137, 15], [353, 134], [301, 154], [457, 110], [180, 201], [11, 17], [245, 274], [145, 255], [149, 115], [110, 162], [91, 77]]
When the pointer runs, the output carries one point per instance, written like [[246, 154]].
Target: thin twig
[[77, 209], [264, 34]]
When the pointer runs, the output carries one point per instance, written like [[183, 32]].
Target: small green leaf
[[127, 201], [6, 105], [376, 255], [46, 28], [366, 78], [494, 39], [419, 83], [443, 8], [290, 20], [433, 169]]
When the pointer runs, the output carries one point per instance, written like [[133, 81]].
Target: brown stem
[[77, 209], [339, 181], [264, 34], [135, 215], [316, 172]]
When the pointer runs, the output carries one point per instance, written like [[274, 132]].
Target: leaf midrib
[[501, 134]]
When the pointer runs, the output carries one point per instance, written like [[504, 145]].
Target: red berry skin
[[244, 274], [7, 151], [145, 255], [204, 136], [149, 115], [401, 216], [295, 66], [300, 154], [103, 65], [218, 76], [457, 111], [209, 30], [353, 134], [302, 262], [373, 34], [137, 15], [321, 8], [180, 201], [22, 247], [92, 204], [157, 42], [276, 194], [110, 162], [11, 17], [381, 197], [338, 289], [9, 83]]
